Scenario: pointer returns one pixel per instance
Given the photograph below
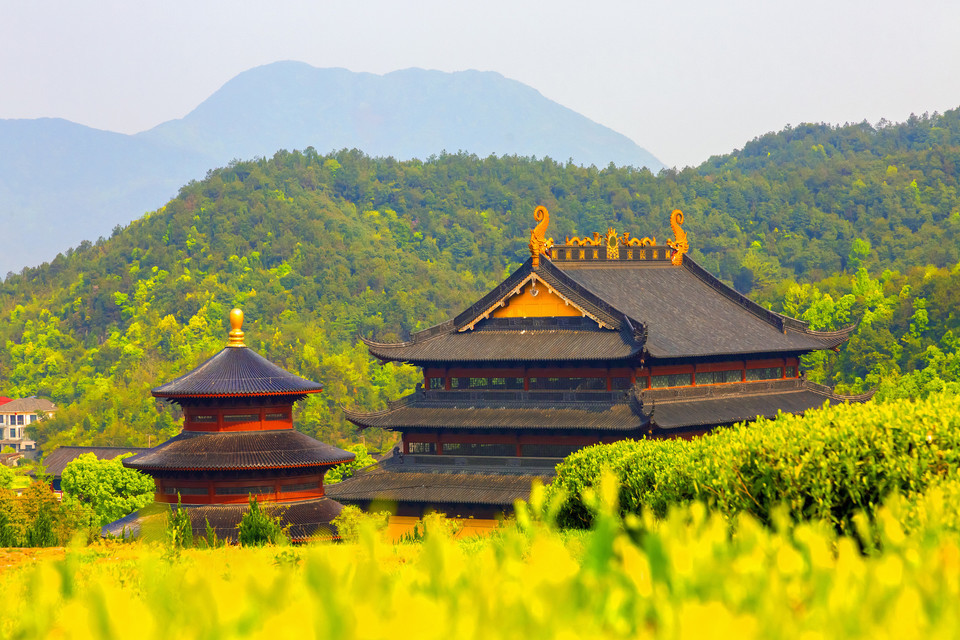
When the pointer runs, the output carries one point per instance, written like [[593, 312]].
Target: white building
[[18, 414]]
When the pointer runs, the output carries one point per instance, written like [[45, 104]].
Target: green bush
[[35, 518], [829, 465], [345, 470], [106, 486], [258, 528]]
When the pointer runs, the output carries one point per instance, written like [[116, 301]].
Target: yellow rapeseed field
[[691, 575]]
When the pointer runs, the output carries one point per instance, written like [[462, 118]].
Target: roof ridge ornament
[[679, 244], [236, 329], [538, 242]]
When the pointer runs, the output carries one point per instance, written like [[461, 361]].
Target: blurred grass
[[692, 574]]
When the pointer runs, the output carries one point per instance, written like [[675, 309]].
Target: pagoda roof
[[636, 410], [236, 371], [238, 450], [436, 480], [709, 405], [512, 340], [509, 410], [307, 519], [628, 307]]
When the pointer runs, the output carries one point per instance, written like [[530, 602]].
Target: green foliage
[[210, 538], [343, 471], [352, 521], [106, 486], [35, 518], [179, 529], [826, 466], [904, 345], [7, 476], [318, 249], [258, 527]]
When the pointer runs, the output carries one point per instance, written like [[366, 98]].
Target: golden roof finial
[[680, 244], [538, 242], [236, 329]]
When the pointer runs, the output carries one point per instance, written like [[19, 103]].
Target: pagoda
[[238, 441], [591, 341]]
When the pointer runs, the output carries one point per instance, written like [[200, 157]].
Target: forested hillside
[[831, 224]]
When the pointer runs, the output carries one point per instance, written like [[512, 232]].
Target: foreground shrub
[[352, 521], [257, 527], [827, 465]]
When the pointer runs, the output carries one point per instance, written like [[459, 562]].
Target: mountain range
[[61, 182]]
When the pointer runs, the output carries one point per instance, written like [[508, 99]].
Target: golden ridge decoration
[[679, 244], [627, 241], [236, 329], [613, 249], [577, 241], [538, 242]]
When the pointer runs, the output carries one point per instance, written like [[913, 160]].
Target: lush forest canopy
[[832, 224]]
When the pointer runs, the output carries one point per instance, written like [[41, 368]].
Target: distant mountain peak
[[408, 113], [61, 183]]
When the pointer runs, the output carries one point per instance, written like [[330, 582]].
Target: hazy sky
[[685, 80]]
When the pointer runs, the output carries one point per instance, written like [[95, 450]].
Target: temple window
[[718, 377], [548, 450], [276, 416], [186, 491], [422, 447], [303, 486], [235, 491], [620, 382], [478, 449], [791, 372], [766, 373], [483, 383], [242, 417], [568, 384], [671, 380], [436, 383]]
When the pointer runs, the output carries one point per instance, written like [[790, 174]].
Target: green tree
[[6, 476], [106, 486], [347, 469]]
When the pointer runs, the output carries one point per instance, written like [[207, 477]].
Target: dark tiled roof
[[729, 403], [548, 410], [238, 450], [690, 313], [237, 371], [492, 342], [668, 311], [308, 519], [523, 339], [445, 480], [58, 459]]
